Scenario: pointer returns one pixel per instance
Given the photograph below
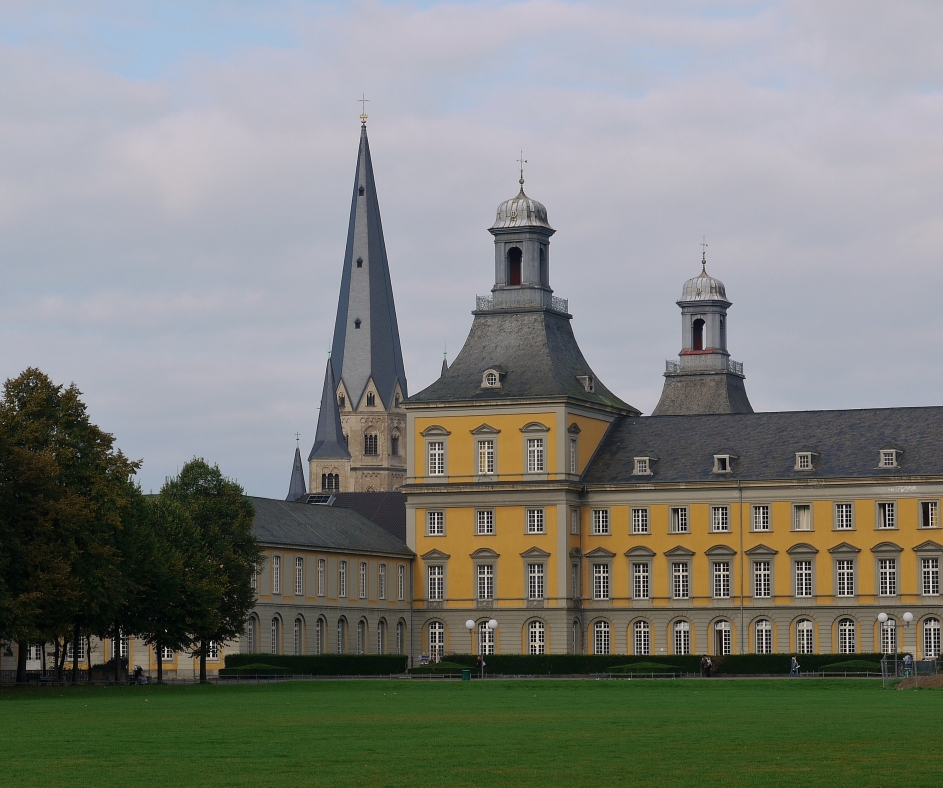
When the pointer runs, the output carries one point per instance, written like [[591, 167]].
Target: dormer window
[[888, 458], [357, 323], [804, 461], [722, 463], [491, 379], [341, 401], [643, 466], [588, 381], [359, 262]]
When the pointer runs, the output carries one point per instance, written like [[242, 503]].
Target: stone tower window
[[370, 444], [515, 256], [341, 401], [697, 338], [360, 191], [394, 445], [359, 262], [357, 323], [371, 400]]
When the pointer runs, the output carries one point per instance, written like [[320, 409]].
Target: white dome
[[704, 287], [521, 211]]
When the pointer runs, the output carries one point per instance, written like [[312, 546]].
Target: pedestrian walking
[[794, 667]]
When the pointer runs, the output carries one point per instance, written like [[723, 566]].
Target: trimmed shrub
[[645, 667], [255, 669], [325, 664], [857, 665], [440, 667]]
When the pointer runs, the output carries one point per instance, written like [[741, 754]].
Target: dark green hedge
[[325, 664]]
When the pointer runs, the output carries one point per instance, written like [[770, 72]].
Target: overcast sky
[[175, 185]]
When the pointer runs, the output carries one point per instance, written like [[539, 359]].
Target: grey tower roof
[[535, 354], [366, 335], [329, 439], [296, 488], [687, 394], [846, 444], [445, 366]]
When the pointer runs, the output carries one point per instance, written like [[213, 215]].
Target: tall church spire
[[329, 443], [366, 335], [296, 488]]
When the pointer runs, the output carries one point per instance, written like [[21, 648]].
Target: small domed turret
[[704, 287], [521, 211]]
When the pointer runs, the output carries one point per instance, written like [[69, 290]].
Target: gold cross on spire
[[522, 161], [363, 108]]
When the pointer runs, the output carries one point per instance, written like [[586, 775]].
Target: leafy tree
[[223, 555]]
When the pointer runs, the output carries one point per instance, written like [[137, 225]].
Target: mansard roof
[[847, 443], [538, 356], [315, 526], [366, 334]]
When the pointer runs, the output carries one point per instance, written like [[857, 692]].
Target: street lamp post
[[470, 625]]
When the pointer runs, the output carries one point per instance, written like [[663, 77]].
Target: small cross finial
[[363, 108], [704, 254], [522, 161], [297, 438]]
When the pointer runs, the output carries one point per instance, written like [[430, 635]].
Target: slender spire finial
[[297, 439], [522, 161], [363, 108], [704, 254]]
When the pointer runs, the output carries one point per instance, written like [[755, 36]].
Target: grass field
[[521, 733]]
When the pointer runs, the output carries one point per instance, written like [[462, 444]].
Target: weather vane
[[363, 108], [704, 252], [522, 161], [297, 437]]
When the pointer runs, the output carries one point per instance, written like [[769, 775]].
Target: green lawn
[[520, 733]]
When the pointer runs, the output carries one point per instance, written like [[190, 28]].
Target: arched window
[[931, 638], [276, 635], [319, 637], [251, 628], [682, 632], [361, 637], [341, 401], [330, 482], [601, 637], [371, 445], [485, 638], [804, 629], [341, 636], [722, 638], [544, 278], [515, 255], [641, 638], [889, 637], [381, 637], [436, 640], [764, 637], [299, 636], [400, 637], [697, 336], [846, 636], [536, 637], [394, 444], [371, 400]]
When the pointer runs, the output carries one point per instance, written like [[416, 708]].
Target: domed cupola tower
[[704, 379]]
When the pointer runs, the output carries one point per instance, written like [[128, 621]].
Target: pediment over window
[[803, 548], [485, 429], [844, 547], [720, 550], [435, 429], [535, 552], [574, 429], [436, 555], [679, 552], [640, 552], [761, 549], [535, 426], [929, 547], [576, 553], [484, 552], [600, 552], [887, 547]]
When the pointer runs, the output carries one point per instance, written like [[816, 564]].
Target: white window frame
[[435, 457], [486, 455], [536, 638], [682, 637], [760, 520], [401, 583], [802, 518], [297, 638], [887, 577], [847, 636], [762, 578], [844, 516], [381, 581], [886, 516], [888, 458], [536, 581], [931, 638], [484, 522], [536, 459], [601, 587], [680, 580], [641, 580], [720, 519], [845, 577], [166, 654], [575, 521], [574, 456], [680, 521], [643, 466], [362, 580], [804, 461], [435, 522], [641, 638], [930, 576], [341, 636], [720, 579], [640, 521], [888, 636], [485, 639], [931, 508], [602, 637], [299, 576], [435, 582], [805, 636], [535, 521], [485, 581], [212, 651], [342, 579], [276, 574], [275, 635], [601, 522], [436, 640], [723, 463], [322, 571], [763, 636], [803, 575]]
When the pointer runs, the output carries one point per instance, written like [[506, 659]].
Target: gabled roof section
[[297, 524], [766, 445], [537, 349], [296, 487], [370, 348], [329, 441], [385, 509]]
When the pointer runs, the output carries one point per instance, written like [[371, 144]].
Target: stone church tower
[[365, 381]]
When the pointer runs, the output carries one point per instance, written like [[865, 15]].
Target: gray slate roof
[[296, 487], [320, 527], [386, 509], [537, 350], [848, 443], [329, 443], [687, 394], [371, 350]]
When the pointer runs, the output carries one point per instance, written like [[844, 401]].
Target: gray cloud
[[173, 244]]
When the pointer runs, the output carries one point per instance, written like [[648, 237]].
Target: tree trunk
[[21, 648], [202, 662], [159, 648], [42, 655], [75, 654], [60, 659]]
